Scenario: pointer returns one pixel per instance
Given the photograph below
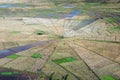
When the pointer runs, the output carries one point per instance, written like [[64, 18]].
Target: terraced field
[[44, 42]]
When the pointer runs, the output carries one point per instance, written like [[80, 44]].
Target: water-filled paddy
[[12, 5]]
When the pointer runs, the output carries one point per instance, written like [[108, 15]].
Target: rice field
[[57, 41]]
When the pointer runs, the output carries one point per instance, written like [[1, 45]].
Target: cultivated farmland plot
[[57, 40]]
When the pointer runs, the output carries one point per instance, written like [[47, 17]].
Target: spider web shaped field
[[71, 43]]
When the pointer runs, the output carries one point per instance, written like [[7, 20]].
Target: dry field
[[85, 52]]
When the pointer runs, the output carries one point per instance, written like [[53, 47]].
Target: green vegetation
[[110, 20], [14, 56], [15, 72], [36, 55], [39, 32], [61, 37], [6, 73], [88, 6], [65, 77], [116, 27], [76, 1], [15, 32], [107, 78], [56, 36], [53, 78], [64, 60], [53, 36]]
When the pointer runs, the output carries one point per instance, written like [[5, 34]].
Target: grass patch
[[56, 36], [36, 55], [52, 36], [14, 56], [64, 60], [89, 5], [116, 27], [107, 78], [110, 20], [15, 32], [6, 73], [39, 32], [61, 37]]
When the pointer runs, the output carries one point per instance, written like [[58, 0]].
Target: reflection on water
[[12, 5], [10, 51], [84, 23]]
